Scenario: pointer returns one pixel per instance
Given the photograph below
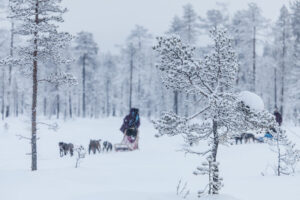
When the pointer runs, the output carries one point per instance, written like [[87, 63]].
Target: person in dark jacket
[[132, 120], [278, 117]]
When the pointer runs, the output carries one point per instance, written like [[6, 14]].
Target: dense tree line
[[109, 84]]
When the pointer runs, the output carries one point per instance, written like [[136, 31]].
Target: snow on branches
[[212, 78], [37, 20], [61, 78], [181, 71], [287, 155], [176, 64]]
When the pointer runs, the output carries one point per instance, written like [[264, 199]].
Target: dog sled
[[129, 142]]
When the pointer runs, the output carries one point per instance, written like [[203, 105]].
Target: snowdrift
[[150, 173]]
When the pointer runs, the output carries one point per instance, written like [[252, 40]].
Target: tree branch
[[186, 150], [23, 137], [198, 113], [53, 126]]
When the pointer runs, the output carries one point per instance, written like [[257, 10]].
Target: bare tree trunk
[[275, 87], [130, 79], [22, 103], [114, 110], [83, 87], [9, 72], [107, 98], [97, 107], [16, 100], [45, 106], [34, 96], [186, 107], [70, 105], [122, 100], [254, 60], [57, 102], [278, 155], [282, 95], [78, 106], [65, 108], [176, 102], [3, 94], [139, 88], [215, 175], [283, 70]]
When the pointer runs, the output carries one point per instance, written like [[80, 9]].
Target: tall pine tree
[[37, 22]]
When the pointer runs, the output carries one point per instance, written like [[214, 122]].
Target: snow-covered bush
[[80, 155], [287, 155], [181, 190]]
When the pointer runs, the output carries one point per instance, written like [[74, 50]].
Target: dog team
[[247, 137], [94, 147]]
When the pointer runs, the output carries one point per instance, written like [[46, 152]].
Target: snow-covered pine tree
[[294, 84], [176, 29], [214, 18], [87, 50], [189, 25], [176, 26], [140, 39], [3, 75], [10, 69], [283, 46], [212, 79], [189, 34], [110, 71], [37, 22], [267, 76], [247, 25], [129, 53]]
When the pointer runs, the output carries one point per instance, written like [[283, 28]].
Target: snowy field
[[150, 173]]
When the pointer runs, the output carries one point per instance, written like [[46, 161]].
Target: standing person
[[278, 117]]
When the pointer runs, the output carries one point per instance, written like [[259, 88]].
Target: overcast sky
[[112, 20]]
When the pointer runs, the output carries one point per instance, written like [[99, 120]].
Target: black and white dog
[[107, 146]]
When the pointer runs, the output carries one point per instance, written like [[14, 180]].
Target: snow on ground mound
[[252, 100]]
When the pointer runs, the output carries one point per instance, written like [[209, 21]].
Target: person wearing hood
[[132, 120]]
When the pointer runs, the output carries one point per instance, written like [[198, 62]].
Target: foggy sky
[[112, 20]]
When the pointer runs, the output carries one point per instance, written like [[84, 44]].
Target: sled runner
[[129, 142]]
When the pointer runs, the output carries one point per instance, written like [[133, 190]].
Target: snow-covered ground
[[150, 173]]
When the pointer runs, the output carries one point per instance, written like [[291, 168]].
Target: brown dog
[[94, 146]]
